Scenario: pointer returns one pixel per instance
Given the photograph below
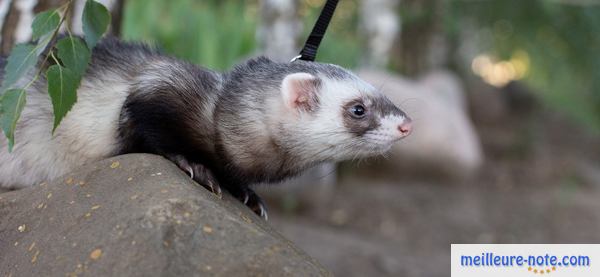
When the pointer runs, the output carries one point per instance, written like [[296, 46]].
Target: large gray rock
[[138, 215]]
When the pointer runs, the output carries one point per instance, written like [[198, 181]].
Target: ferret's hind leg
[[199, 173]]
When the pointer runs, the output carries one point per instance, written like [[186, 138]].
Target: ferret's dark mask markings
[[260, 122]]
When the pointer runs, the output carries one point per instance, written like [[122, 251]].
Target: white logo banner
[[515, 260]]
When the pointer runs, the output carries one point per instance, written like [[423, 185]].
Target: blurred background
[[505, 96]]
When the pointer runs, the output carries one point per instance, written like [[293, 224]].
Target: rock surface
[[138, 215]]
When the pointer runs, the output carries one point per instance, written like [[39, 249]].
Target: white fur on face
[[386, 134], [329, 137]]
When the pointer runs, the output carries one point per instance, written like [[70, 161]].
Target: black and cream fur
[[262, 121]]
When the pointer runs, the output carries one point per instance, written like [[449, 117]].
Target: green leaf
[[22, 58], [12, 104], [95, 20], [44, 23], [62, 87], [74, 54], [42, 43]]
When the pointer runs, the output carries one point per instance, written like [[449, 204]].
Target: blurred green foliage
[[212, 33], [217, 34], [560, 39]]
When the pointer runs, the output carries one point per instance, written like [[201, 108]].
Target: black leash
[[309, 51]]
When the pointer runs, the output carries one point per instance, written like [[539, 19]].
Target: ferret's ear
[[300, 91]]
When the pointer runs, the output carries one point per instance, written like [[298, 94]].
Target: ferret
[[262, 121]]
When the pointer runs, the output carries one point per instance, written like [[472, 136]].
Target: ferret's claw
[[255, 203], [214, 188], [263, 213], [246, 198], [219, 192], [182, 163], [204, 177], [198, 173], [190, 171]]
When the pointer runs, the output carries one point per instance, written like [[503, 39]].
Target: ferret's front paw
[[254, 202], [199, 173]]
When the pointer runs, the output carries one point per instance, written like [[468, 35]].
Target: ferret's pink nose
[[405, 128]]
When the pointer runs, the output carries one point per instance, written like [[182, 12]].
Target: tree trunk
[[16, 17], [279, 31], [379, 26], [423, 45]]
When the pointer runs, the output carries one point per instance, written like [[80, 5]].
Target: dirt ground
[[540, 184]]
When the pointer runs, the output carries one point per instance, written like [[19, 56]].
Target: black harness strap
[[309, 51]]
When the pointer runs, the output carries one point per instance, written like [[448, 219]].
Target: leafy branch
[[70, 54]]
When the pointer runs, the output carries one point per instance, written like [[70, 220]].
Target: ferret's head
[[334, 115]]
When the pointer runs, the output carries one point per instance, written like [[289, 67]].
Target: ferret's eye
[[357, 111]]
